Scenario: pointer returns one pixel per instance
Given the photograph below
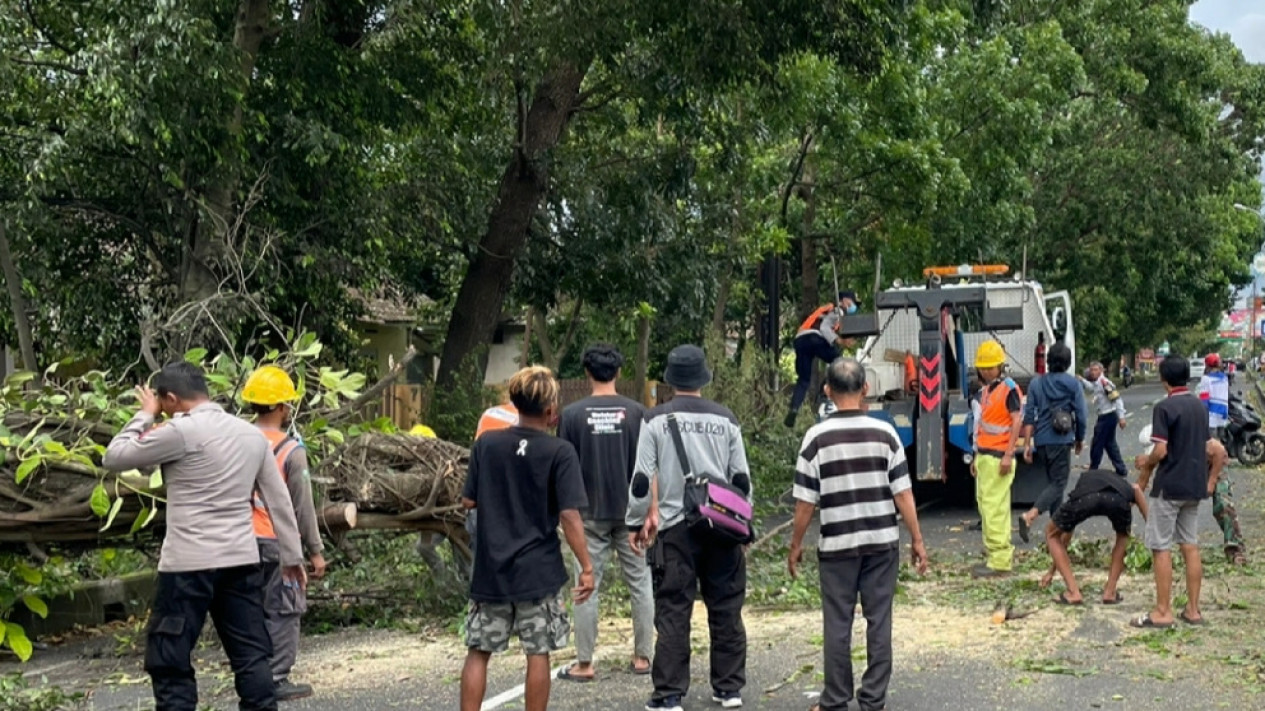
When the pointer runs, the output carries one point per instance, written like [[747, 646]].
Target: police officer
[[269, 392], [1110, 408], [211, 463]]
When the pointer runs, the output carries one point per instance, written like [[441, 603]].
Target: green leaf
[[4, 630], [55, 447], [335, 436], [196, 356], [36, 605], [156, 479], [18, 378], [141, 519], [114, 511], [27, 467], [29, 575], [17, 641], [100, 501]]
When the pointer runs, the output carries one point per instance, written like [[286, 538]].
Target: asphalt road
[[945, 658]]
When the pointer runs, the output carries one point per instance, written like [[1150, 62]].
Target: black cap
[[687, 368]]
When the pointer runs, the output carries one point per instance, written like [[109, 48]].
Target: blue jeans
[[1105, 440], [808, 348]]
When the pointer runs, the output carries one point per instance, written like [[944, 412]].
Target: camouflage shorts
[[542, 626]]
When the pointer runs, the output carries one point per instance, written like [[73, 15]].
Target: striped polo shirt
[[851, 466]]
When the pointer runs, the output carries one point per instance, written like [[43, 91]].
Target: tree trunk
[[17, 302], [643, 354], [810, 277], [523, 185], [208, 238], [722, 302]]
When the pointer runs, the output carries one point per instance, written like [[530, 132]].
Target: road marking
[[46, 670], [513, 694]]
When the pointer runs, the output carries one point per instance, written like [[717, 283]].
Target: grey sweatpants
[[284, 606], [601, 537], [874, 577]]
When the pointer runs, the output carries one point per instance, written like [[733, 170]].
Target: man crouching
[[1100, 492]]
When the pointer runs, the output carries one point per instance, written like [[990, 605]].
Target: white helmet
[[1144, 437]]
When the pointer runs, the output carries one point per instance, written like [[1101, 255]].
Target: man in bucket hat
[[682, 559], [818, 339]]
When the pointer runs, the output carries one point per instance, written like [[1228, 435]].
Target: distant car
[[1196, 367]]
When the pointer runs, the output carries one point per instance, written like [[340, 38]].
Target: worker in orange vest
[[269, 392], [998, 421], [818, 338]]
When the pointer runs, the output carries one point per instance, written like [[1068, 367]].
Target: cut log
[[338, 516]]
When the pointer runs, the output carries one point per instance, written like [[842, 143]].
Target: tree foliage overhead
[[174, 173]]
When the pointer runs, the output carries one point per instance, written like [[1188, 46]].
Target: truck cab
[[931, 331]]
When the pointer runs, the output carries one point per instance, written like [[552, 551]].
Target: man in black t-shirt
[[523, 481], [1179, 429], [604, 428], [1100, 492]]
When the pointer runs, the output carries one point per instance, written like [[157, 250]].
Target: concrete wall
[[384, 343], [503, 358]]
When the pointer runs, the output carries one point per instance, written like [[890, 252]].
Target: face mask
[[852, 308]]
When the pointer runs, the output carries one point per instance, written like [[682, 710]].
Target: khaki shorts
[[542, 626]]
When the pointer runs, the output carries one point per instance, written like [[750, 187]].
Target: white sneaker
[[728, 700]]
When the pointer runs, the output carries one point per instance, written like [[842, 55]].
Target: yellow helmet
[[269, 385], [989, 355], [422, 431]]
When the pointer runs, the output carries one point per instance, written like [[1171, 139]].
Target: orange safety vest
[[813, 322], [992, 432], [497, 418], [283, 445]]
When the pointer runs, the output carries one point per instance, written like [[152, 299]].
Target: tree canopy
[[173, 173]]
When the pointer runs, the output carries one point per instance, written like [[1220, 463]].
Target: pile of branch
[[400, 481]]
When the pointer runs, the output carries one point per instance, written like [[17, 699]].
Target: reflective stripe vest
[[283, 446], [813, 322], [992, 432], [497, 418]]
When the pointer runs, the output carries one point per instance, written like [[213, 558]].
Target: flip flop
[[1062, 600], [1024, 529], [632, 669], [1119, 599], [1145, 622], [566, 675], [1193, 621]]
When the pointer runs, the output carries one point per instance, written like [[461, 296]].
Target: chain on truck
[[937, 326]]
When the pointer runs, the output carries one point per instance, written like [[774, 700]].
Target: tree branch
[[378, 388]]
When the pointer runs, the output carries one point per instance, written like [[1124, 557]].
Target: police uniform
[[1110, 408], [212, 463]]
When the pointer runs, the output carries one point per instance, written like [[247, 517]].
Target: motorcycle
[[1126, 376], [1242, 436]]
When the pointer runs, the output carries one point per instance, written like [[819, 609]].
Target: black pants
[[234, 597], [1105, 440], [874, 578], [808, 349], [680, 565], [1056, 461]]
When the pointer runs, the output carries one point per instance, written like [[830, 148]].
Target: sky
[[1243, 20]]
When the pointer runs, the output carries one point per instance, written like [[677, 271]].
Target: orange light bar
[[967, 270]]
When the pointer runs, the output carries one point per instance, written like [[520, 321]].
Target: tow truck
[[939, 324]]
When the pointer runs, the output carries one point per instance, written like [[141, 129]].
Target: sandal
[[632, 669], [1193, 621], [1118, 599], [566, 675], [1025, 530], [1145, 622], [1062, 600]]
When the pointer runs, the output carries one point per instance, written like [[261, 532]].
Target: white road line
[[513, 694], [46, 670]]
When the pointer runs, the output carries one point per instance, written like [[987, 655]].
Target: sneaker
[[728, 699], [671, 703], [289, 691]]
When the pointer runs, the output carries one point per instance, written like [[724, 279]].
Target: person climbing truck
[[818, 338]]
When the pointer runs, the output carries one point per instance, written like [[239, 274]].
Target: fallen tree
[[53, 490]]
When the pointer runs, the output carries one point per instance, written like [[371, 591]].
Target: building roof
[[388, 306]]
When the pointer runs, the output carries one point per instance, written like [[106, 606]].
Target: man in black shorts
[[1100, 492]]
